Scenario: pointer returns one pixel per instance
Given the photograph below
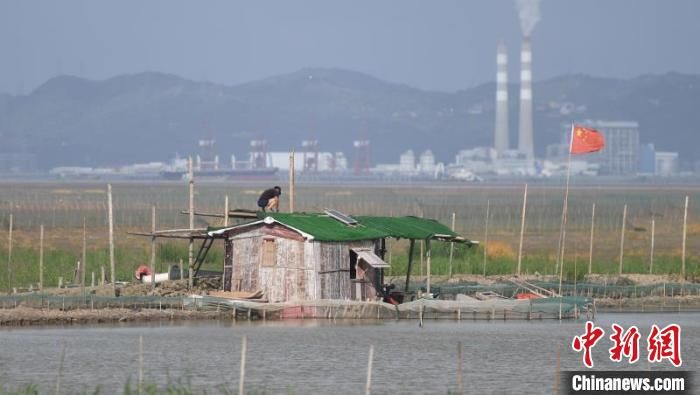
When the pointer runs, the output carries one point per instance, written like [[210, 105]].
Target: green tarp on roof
[[324, 228], [409, 227]]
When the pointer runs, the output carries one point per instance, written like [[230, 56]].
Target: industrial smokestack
[[501, 133], [529, 14], [525, 133]]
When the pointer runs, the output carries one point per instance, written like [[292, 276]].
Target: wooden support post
[[452, 245], [9, 254], [522, 232], [411, 245], [190, 249], [486, 233], [41, 257], [622, 236], [427, 269], [111, 238], [590, 248], [651, 253], [226, 210], [422, 254], [291, 182], [685, 231], [153, 246], [241, 379], [83, 263], [92, 282]]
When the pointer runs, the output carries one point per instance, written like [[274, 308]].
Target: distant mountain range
[[151, 116]]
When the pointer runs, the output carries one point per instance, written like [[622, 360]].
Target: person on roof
[[270, 199]]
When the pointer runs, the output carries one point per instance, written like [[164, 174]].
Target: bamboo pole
[[190, 247], [486, 232], [557, 374], [427, 263], [153, 247], [226, 210], [41, 257], [9, 255], [140, 364], [452, 245], [291, 181], [522, 232], [622, 235], [685, 231], [651, 253], [460, 358], [241, 380], [368, 384], [84, 259], [590, 250], [111, 237]]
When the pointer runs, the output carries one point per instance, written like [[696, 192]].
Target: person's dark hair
[[278, 189]]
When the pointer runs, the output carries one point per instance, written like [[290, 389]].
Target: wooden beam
[[412, 244]]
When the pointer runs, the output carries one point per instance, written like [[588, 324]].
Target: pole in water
[[460, 358], [140, 364], [368, 384], [241, 380], [557, 374]]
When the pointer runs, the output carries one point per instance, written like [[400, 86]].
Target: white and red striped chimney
[[501, 134], [525, 129]]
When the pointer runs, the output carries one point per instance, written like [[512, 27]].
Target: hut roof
[[323, 227]]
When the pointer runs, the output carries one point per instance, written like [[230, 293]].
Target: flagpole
[[564, 211]]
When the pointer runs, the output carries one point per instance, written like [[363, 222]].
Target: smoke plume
[[529, 13]]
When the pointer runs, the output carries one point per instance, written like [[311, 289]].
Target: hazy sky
[[442, 45]]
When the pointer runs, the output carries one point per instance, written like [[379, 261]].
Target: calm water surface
[[321, 357]]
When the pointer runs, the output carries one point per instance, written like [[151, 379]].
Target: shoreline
[[23, 316], [31, 317]]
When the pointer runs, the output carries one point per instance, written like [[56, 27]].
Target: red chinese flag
[[586, 140]]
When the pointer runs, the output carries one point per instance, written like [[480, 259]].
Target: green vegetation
[[62, 207]]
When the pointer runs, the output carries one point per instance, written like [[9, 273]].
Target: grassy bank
[[63, 206]]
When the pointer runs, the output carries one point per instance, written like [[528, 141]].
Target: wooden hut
[[312, 256]]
